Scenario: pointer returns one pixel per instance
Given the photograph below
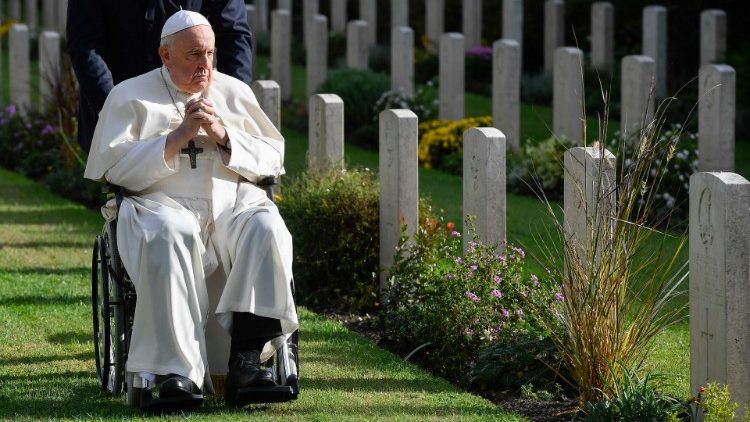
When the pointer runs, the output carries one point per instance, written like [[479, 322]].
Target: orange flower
[[450, 226], [702, 389]]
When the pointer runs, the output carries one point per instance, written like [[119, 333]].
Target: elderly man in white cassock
[[209, 254]]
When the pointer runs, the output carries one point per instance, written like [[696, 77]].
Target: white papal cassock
[[198, 243]]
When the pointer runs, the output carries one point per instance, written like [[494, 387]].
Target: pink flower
[[473, 268], [497, 293], [559, 297], [497, 279], [474, 298], [535, 280], [455, 234], [505, 312]]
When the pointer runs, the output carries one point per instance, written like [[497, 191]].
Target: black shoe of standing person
[[245, 371], [177, 386]]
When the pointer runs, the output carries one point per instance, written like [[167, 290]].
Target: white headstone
[[472, 23], [357, 47], [484, 183], [435, 17], [30, 15], [567, 95], [603, 36], [49, 15], [261, 7], [268, 94], [720, 283], [62, 16], [281, 51], [399, 13], [716, 114], [19, 66], [452, 74], [317, 54], [655, 44], [338, 15], [14, 10], [49, 64], [402, 60], [636, 93], [285, 5], [590, 202], [326, 132], [513, 20], [554, 31], [713, 36], [506, 90], [368, 12], [399, 185], [309, 10]]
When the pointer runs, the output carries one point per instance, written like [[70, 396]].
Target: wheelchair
[[113, 299]]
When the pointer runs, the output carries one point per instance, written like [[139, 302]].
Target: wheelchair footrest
[[256, 395]]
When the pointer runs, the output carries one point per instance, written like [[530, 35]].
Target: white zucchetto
[[183, 19]]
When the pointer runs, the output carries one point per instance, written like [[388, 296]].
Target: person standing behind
[[110, 41]]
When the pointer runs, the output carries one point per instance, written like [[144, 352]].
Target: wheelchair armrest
[[118, 191], [269, 184]]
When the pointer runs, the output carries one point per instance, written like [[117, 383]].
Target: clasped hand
[[199, 113]]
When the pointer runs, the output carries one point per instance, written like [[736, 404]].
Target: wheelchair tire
[[108, 321]]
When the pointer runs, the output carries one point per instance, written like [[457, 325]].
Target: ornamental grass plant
[[620, 283]]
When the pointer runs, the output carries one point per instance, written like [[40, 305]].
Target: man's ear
[[164, 54]]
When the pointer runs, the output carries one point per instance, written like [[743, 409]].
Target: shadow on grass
[[40, 244], [70, 337], [30, 360], [36, 271]]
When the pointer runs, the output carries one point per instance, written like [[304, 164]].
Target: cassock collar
[[168, 78]]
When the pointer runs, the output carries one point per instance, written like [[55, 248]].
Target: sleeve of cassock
[[119, 155], [257, 146]]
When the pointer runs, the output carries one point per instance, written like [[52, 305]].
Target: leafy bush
[[636, 399], [333, 217], [461, 305], [359, 89], [424, 103], [441, 142], [538, 168], [715, 402], [426, 65]]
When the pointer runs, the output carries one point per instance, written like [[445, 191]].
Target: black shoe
[[177, 386], [244, 372]]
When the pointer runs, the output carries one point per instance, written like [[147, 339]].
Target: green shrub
[[424, 103], [359, 89], [333, 217], [636, 399], [539, 168], [460, 304]]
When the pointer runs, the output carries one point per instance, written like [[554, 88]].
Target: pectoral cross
[[193, 152]]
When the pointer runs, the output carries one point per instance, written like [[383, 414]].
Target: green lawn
[[46, 358]]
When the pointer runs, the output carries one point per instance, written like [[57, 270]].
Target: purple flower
[[535, 280], [472, 364], [559, 297], [11, 110], [501, 258], [474, 298], [520, 252], [458, 260], [481, 52], [48, 129], [497, 279], [455, 234], [497, 293], [450, 276], [505, 312], [473, 268]]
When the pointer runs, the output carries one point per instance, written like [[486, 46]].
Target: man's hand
[[199, 113]]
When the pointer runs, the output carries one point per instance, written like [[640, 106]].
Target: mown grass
[[46, 358]]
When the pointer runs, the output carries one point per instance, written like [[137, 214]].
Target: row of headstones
[[716, 86], [713, 27], [19, 65], [54, 14]]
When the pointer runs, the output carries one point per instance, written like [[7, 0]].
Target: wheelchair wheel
[[108, 321]]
